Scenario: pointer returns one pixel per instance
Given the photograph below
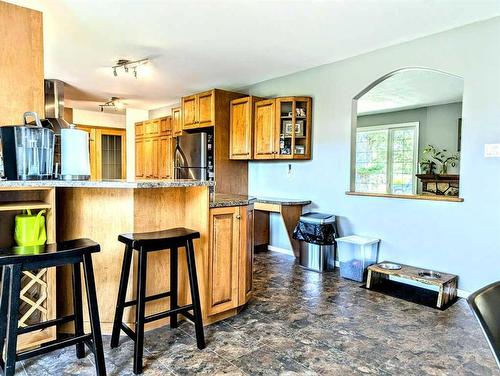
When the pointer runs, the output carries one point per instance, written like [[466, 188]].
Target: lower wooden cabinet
[[230, 258]]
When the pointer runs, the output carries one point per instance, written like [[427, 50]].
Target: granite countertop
[[168, 183], [282, 201], [222, 200]]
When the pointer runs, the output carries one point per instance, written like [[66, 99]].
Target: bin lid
[[359, 240], [317, 218]]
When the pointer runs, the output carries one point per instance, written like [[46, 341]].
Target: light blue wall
[[462, 238]]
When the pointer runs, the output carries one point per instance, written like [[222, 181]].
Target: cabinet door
[[151, 158], [139, 158], [246, 253], [152, 127], [240, 134], [223, 260], [166, 126], [165, 158], [176, 122], [264, 129], [139, 129], [189, 112], [206, 109]]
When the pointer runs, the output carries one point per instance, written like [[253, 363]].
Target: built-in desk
[[290, 211]]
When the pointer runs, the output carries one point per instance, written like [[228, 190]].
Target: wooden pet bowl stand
[[447, 283]]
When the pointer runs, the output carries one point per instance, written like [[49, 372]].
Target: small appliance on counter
[[75, 159], [27, 151]]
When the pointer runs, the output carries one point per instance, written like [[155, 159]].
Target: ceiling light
[[128, 64], [114, 102]]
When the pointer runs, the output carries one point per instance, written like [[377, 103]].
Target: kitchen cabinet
[[154, 149], [165, 158], [265, 116], [176, 122], [241, 128], [139, 158], [150, 157], [198, 110], [166, 126], [230, 260], [107, 152], [190, 112], [283, 128]]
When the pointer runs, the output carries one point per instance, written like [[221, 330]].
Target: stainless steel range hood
[[54, 106]]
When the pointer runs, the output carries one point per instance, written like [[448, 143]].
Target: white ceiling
[[411, 89], [197, 45]]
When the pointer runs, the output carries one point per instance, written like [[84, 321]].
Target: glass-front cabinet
[[293, 128]]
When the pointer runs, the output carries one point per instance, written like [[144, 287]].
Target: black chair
[[18, 259], [144, 243], [485, 303]]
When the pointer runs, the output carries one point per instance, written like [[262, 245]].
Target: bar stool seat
[[13, 262], [157, 240], [144, 243]]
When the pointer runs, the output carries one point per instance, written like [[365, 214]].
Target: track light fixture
[[114, 102], [127, 65]]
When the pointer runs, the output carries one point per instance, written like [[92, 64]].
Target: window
[[386, 158]]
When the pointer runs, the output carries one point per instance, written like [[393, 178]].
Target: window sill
[[408, 197]]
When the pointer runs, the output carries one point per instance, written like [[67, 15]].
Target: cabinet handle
[[238, 216]]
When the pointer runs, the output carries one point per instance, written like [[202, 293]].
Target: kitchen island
[[101, 210]]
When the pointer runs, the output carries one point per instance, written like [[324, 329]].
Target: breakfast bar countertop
[[220, 200], [119, 183]]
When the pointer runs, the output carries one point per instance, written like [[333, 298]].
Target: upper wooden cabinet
[[190, 112], [166, 125], [198, 110], [152, 127], [241, 128], [230, 260], [265, 132], [176, 122], [282, 128], [21, 62]]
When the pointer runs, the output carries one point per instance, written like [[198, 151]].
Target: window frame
[[390, 141]]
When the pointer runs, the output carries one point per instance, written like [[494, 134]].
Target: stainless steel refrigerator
[[193, 156]]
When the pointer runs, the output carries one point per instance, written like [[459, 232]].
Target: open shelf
[[296, 117], [13, 206]]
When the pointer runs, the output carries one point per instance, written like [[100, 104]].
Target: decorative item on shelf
[[440, 184], [443, 157], [30, 229], [299, 128], [300, 149], [301, 112]]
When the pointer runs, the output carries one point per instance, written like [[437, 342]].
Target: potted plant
[[435, 155]]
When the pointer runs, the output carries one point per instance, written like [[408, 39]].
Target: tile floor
[[303, 323]]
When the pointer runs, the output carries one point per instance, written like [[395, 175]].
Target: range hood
[[54, 106]]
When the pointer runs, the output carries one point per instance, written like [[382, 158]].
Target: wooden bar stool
[[144, 243], [18, 259]]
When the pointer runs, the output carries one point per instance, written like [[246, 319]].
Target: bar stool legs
[[140, 312], [195, 296], [77, 308], [122, 294], [11, 342], [95, 325], [173, 285]]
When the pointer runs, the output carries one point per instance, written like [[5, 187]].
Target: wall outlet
[[492, 150]]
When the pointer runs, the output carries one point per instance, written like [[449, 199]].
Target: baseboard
[[460, 293], [285, 251]]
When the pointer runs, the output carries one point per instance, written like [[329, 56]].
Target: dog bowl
[[389, 266], [429, 274]]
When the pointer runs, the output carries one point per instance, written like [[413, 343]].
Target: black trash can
[[317, 233]]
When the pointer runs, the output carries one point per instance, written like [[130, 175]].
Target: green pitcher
[[30, 229]]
